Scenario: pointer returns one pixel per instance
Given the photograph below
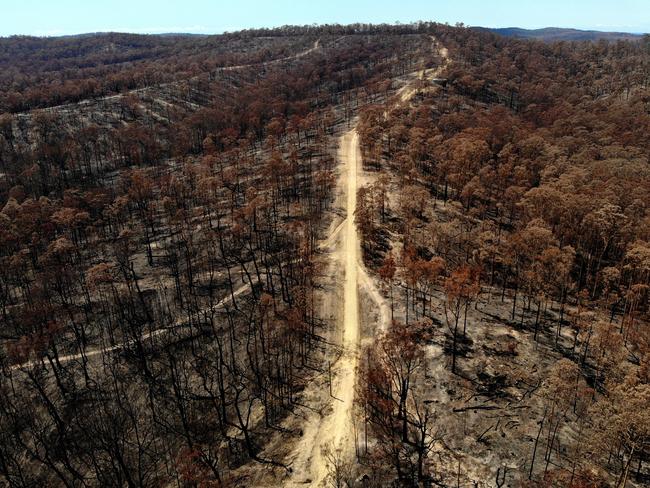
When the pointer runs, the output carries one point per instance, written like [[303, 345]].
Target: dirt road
[[333, 429], [342, 418], [407, 92], [147, 336]]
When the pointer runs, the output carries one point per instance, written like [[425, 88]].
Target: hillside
[[350, 256], [41, 72]]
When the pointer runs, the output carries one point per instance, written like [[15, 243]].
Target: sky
[[64, 17]]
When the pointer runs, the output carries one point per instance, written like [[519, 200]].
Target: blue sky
[[59, 17]]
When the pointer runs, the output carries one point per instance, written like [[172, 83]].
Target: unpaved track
[[407, 92], [341, 420], [334, 430], [125, 344]]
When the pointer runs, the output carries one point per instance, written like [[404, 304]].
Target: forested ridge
[[516, 192], [41, 72], [166, 208]]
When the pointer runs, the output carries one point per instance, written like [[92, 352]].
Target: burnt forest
[[347, 256]]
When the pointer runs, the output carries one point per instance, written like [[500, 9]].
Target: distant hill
[[560, 34]]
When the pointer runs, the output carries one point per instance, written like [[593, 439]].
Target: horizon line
[[203, 31]]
